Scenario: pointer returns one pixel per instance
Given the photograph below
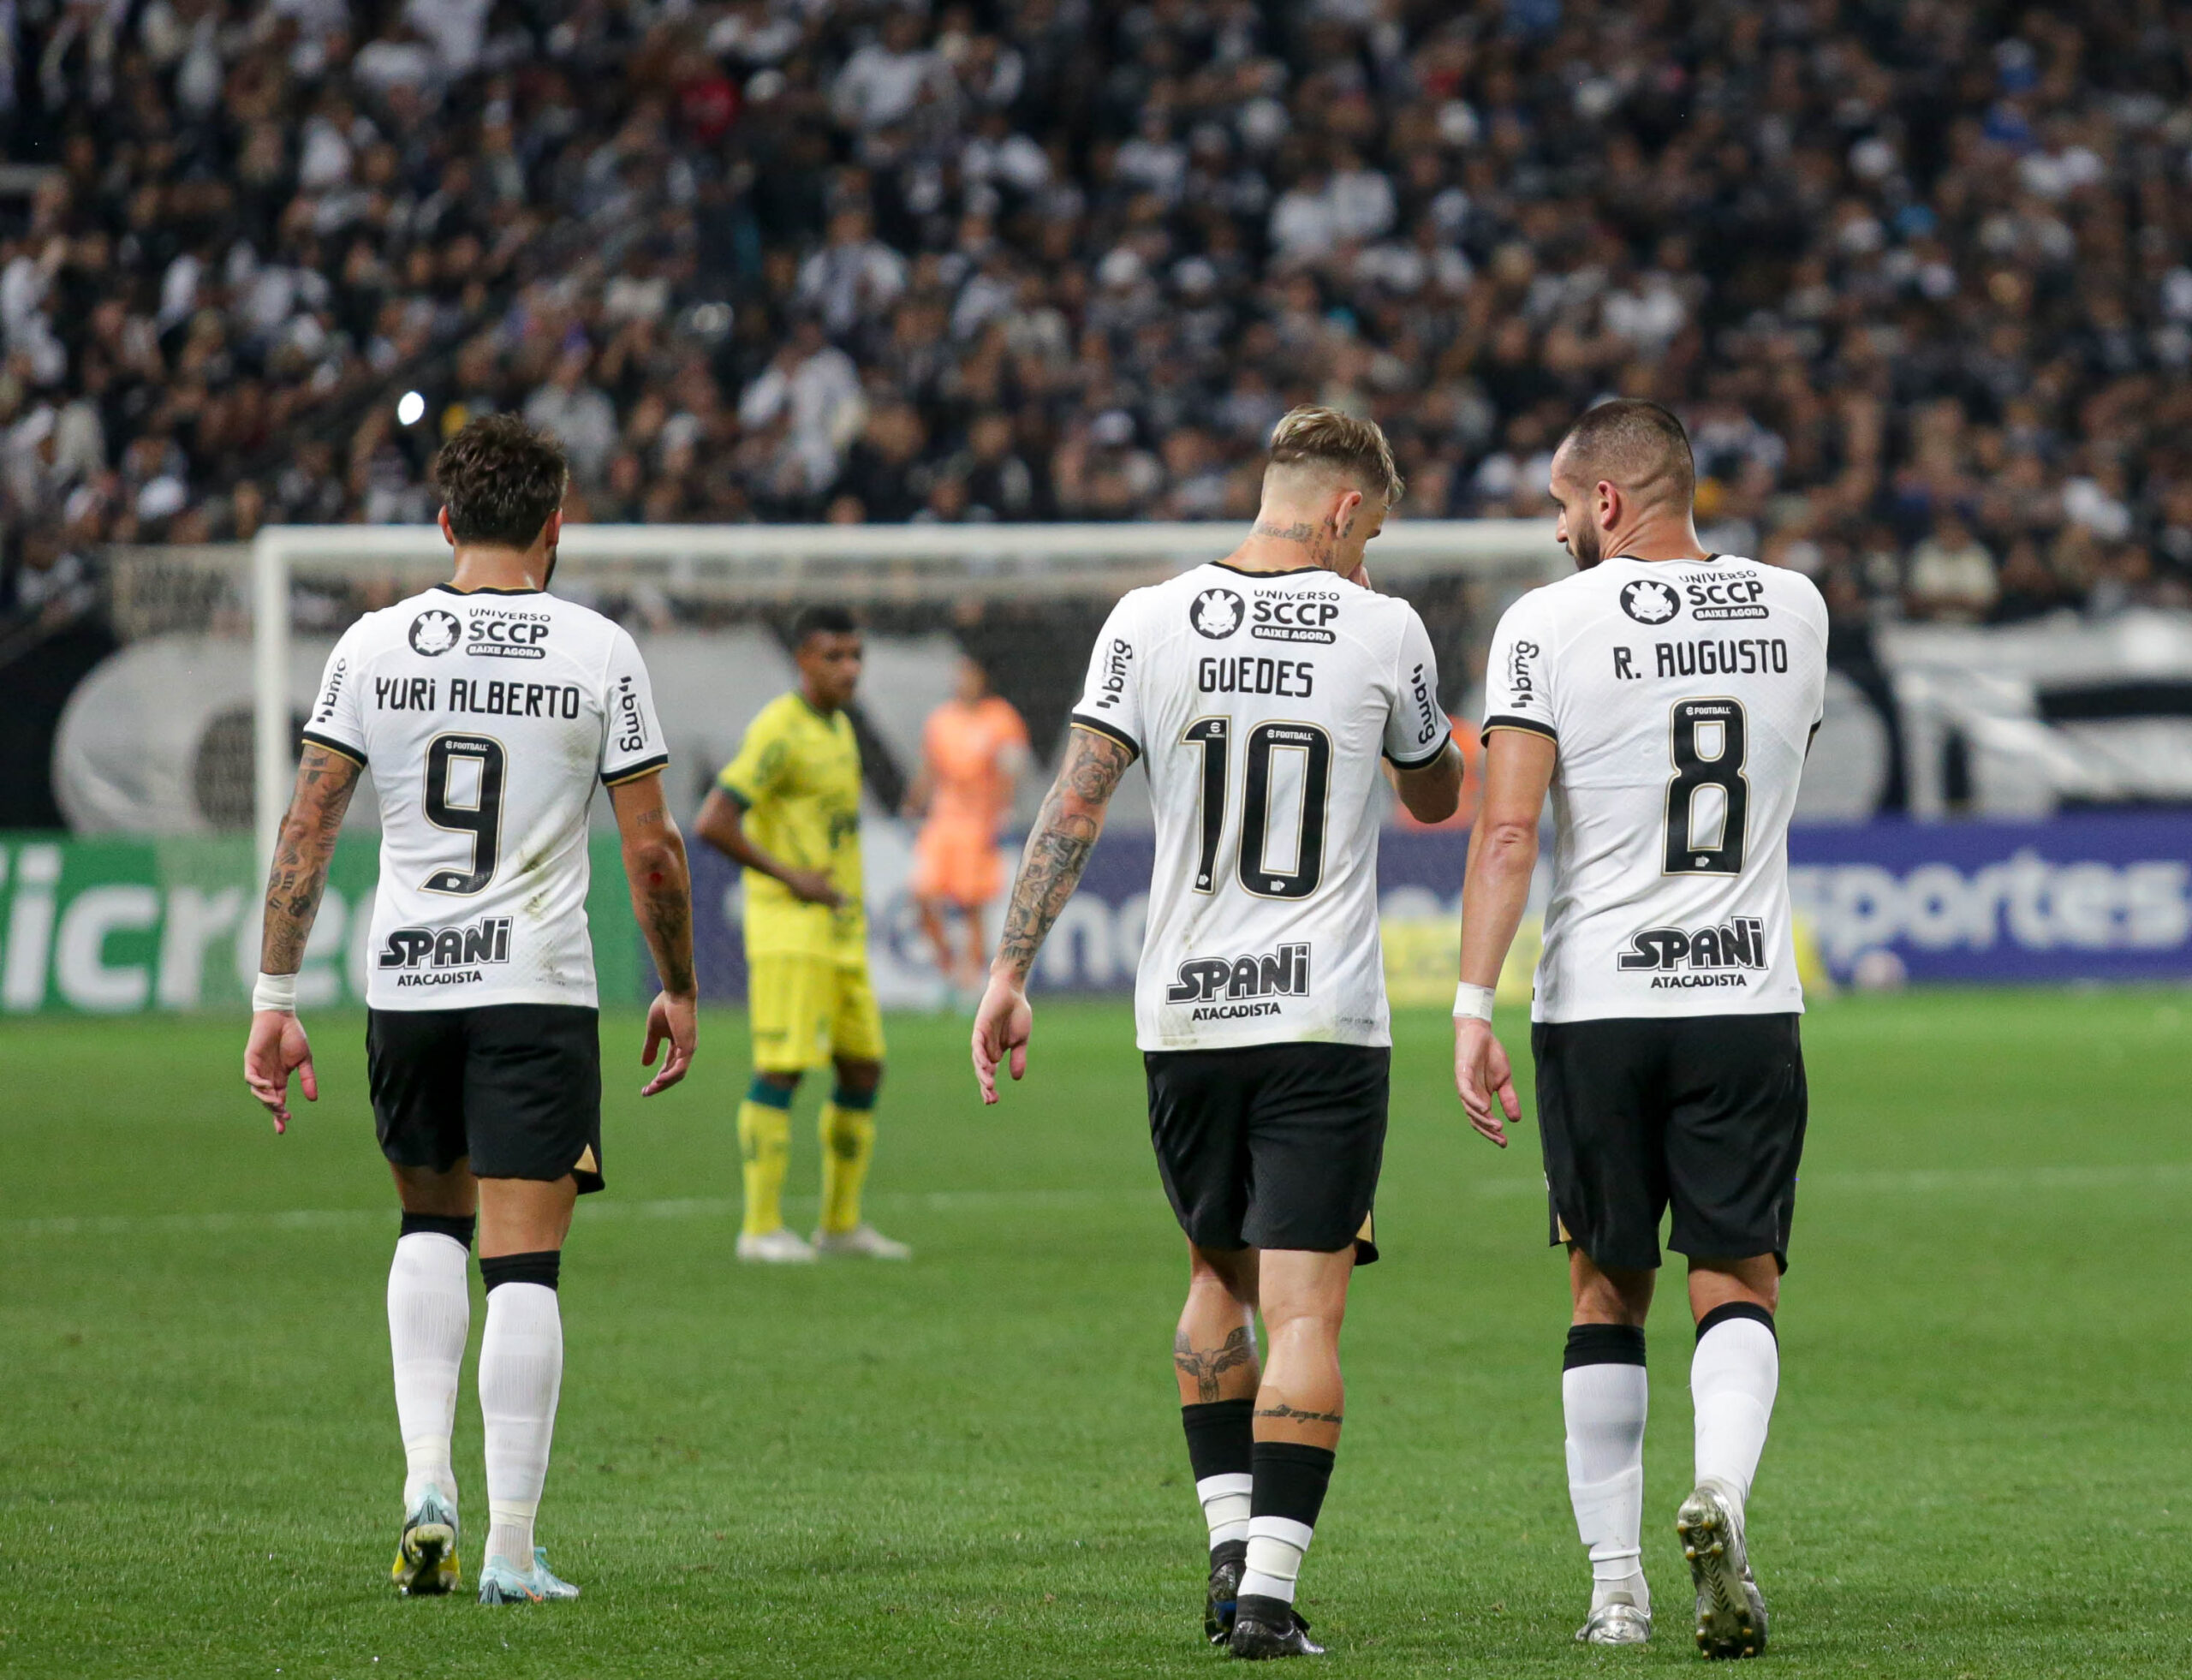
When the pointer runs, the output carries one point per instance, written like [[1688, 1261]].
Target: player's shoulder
[[589, 634], [1158, 607], [1786, 583], [1725, 591], [421, 618], [780, 716]]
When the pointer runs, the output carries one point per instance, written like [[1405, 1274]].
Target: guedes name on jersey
[[1254, 673], [481, 697]]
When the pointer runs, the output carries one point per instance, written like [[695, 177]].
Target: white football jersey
[[486, 718], [1682, 696], [1260, 704]]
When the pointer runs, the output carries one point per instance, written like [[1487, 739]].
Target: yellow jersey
[[797, 776]]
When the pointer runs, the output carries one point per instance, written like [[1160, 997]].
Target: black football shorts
[[1271, 1146], [1701, 1113], [514, 1086]]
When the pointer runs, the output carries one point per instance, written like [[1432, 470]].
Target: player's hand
[[1002, 1025], [276, 1048], [1361, 576], [812, 886], [1482, 1075], [674, 1019]]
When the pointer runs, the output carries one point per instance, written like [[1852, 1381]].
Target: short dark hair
[[821, 620], [501, 480], [1636, 445]]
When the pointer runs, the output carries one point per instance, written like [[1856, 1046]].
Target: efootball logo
[[434, 632], [1649, 601], [1216, 614]]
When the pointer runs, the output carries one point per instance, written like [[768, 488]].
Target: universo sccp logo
[[434, 632], [1216, 614], [1649, 601]]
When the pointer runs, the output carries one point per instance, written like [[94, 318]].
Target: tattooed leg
[[1214, 1358], [1301, 1399], [1204, 1369], [1214, 1349]]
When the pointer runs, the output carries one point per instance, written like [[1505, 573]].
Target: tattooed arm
[[662, 900], [277, 1046], [325, 781], [1050, 869]]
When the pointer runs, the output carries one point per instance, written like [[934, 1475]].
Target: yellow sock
[[847, 1146], [765, 1139]]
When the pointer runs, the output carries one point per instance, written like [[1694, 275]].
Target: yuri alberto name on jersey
[[478, 697]]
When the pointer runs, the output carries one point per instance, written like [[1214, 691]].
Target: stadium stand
[[1915, 273]]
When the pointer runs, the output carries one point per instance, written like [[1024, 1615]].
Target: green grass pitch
[[972, 1466]]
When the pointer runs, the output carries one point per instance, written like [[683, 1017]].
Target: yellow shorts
[[804, 1009]]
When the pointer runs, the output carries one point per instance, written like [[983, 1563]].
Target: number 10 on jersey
[[1214, 735]]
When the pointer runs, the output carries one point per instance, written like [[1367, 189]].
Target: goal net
[[192, 728]]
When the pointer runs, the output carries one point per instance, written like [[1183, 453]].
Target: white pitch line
[[1917, 1181]]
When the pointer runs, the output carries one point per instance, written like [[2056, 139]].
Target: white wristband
[[275, 991], [1472, 1003]]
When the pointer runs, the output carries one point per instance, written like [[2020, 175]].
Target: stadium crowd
[[1915, 273]]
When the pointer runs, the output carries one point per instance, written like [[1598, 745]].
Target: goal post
[[716, 572]]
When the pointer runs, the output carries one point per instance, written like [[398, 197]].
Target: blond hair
[[1314, 435]]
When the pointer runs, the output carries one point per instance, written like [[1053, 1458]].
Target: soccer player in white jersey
[[487, 710], [1259, 693], [1665, 698]]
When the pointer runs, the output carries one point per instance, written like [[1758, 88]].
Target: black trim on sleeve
[[356, 755], [1430, 758], [1082, 720], [632, 773], [1531, 724]]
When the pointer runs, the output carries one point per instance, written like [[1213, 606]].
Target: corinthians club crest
[[1216, 613], [1648, 601], [434, 632]]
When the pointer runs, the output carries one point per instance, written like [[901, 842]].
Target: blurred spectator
[[580, 414], [1951, 575], [2028, 589]]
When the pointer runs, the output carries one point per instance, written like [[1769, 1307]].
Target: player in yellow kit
[[788, 808]]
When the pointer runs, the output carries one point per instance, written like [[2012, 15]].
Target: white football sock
[[1226, 1505], [1605, 1406], [429, 1315], [521, 1371], [1276, 1545], [1733, 1377]]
